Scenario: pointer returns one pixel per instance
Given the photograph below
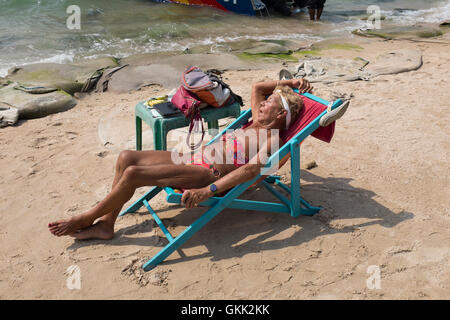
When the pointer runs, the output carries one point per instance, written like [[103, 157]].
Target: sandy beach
[[383, 184]]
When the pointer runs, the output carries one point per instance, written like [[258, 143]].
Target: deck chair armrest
[[239, 122]]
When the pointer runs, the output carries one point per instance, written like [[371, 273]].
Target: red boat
[[248, 7]]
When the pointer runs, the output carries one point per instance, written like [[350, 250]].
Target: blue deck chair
[[294, 205]]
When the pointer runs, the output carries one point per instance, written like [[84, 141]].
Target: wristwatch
[[213, 189]]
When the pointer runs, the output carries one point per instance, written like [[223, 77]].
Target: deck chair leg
[[296, 199], [182, 237], [309, 208], [309, 211], [139, 203], [295, 179]]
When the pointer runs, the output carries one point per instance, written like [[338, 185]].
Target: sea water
[[37, 30]]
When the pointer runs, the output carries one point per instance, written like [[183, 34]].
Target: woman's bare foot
[[100, 230], [68, 227]]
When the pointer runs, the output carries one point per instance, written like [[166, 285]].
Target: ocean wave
[[121, 48], [296, 36], [65, 57], [410, 17]]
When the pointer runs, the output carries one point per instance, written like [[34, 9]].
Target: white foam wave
[[3, 71], [57, 58], [132, 47], [409, 17], [279, 36]]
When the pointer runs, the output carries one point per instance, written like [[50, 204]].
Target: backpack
[[198, 90], [207, 90]]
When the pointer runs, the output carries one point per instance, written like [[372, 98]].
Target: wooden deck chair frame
[[295, 205]]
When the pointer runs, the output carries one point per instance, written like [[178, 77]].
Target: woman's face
[[269, 109]]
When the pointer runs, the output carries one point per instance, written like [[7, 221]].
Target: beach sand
[[383, 183]]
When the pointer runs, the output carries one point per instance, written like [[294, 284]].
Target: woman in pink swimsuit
[[226, 163]]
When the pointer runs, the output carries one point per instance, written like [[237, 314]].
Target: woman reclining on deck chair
[[136, 169]]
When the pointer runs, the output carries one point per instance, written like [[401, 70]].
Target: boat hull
[[237, 6]]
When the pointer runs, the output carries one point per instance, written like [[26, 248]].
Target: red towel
[[310, 112], [312, 109]]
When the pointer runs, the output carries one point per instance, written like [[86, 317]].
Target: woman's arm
[[261, 90], [193, 197]]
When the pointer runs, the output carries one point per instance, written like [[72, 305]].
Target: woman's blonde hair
[[294, 101]]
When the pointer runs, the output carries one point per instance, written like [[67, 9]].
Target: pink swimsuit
[[234, 149]]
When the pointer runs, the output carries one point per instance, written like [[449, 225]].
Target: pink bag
[[190, 105], [186, 101]]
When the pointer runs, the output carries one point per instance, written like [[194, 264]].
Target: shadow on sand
[[225, 235]]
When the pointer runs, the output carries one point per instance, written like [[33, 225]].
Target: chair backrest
[[312, 109]]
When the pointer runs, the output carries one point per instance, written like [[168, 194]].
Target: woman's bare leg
[[133, 177], [105, 226]]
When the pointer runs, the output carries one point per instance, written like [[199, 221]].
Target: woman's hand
[[302, 85], [192, 197]]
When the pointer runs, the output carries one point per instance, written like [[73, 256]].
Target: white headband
[[286, 107]]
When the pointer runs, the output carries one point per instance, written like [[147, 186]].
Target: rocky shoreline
[[46, 88]]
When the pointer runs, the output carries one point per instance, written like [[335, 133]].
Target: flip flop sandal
[[334, 115]]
